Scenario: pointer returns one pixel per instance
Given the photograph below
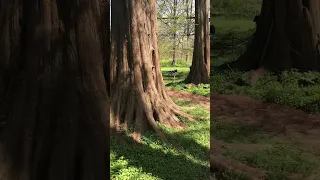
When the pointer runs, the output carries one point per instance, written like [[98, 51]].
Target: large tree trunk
[[54, 90], [139, 96], [287, 36], [200, 68]]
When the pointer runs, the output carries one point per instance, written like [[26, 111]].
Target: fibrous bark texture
[[287, 36], [53, 90], [200, 68], [139, 96]]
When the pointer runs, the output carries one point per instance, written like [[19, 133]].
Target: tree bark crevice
[[139, 97], [200, 68], [55, 91], [294, 37]]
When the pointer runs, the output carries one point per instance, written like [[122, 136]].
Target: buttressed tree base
[[287, 36], [200, 68], [139, 97]]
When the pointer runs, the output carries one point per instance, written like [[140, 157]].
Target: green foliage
[[291, 88], [172, 22], [201, 89], [278, 158], [179, 63], [178, 84], [231, 38], [235, 133], [279, 161], [299, 90], [235, 8], [154, 159]]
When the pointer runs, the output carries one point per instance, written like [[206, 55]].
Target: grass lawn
[[225, 24], [235, 8], [154, 159], [278, 158], [178, 84]]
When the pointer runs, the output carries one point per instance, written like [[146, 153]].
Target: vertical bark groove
[[139, 95], [294, 41], [200, 68], [53, 84]]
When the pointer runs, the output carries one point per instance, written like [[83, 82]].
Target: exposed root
[[144, 113], [139, 97], [222, 163]]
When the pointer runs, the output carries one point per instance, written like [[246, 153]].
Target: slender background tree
[[176, 29], [200, 69]]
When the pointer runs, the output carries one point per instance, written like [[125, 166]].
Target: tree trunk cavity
[[287, 37], [52, 86], [139, 96], [200, 68]]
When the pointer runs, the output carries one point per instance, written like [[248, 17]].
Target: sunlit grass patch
[[186, 151]]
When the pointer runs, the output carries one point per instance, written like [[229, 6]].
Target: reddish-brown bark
[[200, 69], [54, 90], [139, 97]]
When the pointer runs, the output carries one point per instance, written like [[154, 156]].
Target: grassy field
[[235, 8], [279, 157], [153, 159], [259, 150], [176, 82], [227, 24]]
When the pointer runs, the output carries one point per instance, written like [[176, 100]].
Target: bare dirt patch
[[279, 121], [189, 97]]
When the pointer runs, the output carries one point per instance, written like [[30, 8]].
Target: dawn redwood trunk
[[139, 98], [287, 36], [200, 68], [53, 91]]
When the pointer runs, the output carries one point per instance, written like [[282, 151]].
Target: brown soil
[[189, 97], [281, 122]]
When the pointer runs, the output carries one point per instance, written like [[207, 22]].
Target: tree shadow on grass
[[189, 162], [189, 146]]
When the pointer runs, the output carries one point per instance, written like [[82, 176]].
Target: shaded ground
[[189, 97], [279, 122], [184, 151], [283, 122], [298, 129]]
